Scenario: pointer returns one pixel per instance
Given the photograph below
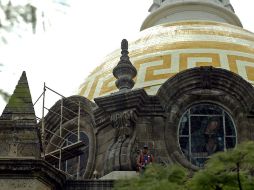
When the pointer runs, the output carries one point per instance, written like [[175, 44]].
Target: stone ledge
[[23, 168], [116, 175], [89, 185]]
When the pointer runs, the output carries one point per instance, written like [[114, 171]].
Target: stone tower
[[19, 134]]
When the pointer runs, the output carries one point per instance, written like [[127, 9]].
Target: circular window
[[203, 130]]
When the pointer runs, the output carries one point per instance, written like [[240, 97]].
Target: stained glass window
[[205, 129]]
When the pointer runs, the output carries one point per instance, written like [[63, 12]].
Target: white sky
[[78, 42]]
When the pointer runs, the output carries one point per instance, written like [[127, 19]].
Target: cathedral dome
[[164, 50]]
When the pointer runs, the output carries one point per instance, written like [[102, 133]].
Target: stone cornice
[[137, 100], [26, 168]]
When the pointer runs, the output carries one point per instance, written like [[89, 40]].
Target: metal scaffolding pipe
[[61, 150]]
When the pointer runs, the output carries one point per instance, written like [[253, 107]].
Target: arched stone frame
[[211, 85], [87, 126]]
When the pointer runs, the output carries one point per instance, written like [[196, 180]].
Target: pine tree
[[231, 170]]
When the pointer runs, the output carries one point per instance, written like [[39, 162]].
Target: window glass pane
[[72, 164], [83, 162], [207, 130], [230, 129], [84, 138], [63, 166], [72, 138], [230, 142], [184, 125], [207, 109], [206, 134], [184, 144]]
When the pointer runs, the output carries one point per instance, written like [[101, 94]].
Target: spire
[[124, 72], [20, 106], [18, 130]]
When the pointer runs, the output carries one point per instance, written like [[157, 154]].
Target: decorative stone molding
[[206, 79], [119, 153], [251, 114], [124, 122]]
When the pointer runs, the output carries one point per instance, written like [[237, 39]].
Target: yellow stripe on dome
[[205, 23], [200, 32], [215, 33], [193, 45]]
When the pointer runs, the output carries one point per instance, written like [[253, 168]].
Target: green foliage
[[231, 170], [16, 17], [156, 177], [4, 95], [227, 170]]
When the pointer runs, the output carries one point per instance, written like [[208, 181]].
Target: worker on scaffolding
[[144, 159]]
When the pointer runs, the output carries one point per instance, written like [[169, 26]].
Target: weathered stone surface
[[116, 175], [89, 185], [23, 184]]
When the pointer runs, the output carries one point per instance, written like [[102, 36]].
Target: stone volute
[[124, 72]]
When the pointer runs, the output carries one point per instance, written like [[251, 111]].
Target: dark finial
[[124, 45], [124, 72]]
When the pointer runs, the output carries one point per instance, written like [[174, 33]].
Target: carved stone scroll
[[119, 153], [124, 123]]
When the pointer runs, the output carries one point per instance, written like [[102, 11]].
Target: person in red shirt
[[144, 159]]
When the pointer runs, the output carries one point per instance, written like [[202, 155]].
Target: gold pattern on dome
[[156, 70], [203, 23], [161, 52], [198, 60]]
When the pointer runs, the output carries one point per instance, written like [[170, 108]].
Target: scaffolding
[[66, 149]]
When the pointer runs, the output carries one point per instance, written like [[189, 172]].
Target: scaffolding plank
[[66, 152]]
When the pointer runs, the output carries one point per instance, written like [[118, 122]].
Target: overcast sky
[[78, 42]]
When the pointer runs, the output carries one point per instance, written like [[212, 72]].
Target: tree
[[156, 177], [231, 170], [4, 94], [16, 17]]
